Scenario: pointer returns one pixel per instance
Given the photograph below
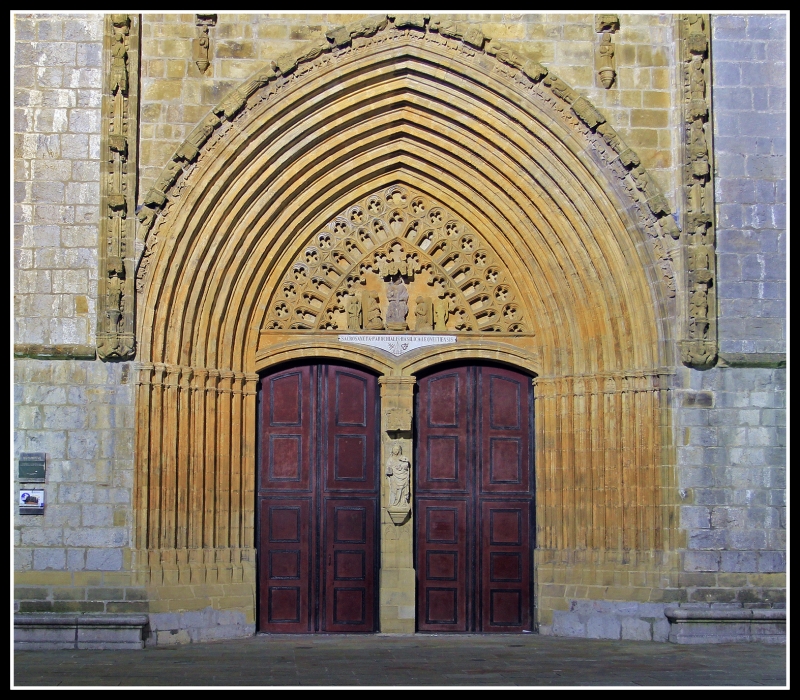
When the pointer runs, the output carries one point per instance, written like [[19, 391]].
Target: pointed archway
[[516, 158]]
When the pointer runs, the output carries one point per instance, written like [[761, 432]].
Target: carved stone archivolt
[[361, 270], [260, 247], [115, 322], [699, 346], [469, 42]]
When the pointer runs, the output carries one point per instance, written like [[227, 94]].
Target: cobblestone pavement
[[349, 660]]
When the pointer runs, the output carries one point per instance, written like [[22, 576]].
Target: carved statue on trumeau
[[398, 471]]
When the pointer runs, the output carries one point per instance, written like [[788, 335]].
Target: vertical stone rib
[[224, 458], [237, 440], [568, 461], [156, 428], [583, 496], [197, 458], [169, 449], [184, 454], [597, 455], [143, 437], [558, 481], [209, 479], [613, 472], [249, 458], [628, 491]]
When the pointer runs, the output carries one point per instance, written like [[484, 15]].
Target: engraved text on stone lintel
[[397, 344]]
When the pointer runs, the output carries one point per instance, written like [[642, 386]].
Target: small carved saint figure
[[441, 312], [605, 61], [398, 470], [398, 305], [355, 318], [114, 302], [374, 317], [119, 71], [423, 315]]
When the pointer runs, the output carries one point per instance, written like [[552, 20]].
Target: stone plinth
[[709, 625], [54, 631]]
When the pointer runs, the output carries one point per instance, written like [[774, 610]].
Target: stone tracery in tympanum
[[398, 261]]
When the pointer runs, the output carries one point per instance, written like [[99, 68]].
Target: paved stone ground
[[349, 660]]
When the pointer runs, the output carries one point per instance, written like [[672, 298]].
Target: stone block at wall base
[[55, 631], [725, 625], [169, 629]]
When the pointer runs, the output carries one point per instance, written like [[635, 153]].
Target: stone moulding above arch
[[312, 346], [471, 38]]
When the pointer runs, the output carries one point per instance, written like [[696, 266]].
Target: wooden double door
[[318, 500], [474, 500]]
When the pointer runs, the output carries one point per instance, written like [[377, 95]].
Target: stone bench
[[69, 631], [725, 624]]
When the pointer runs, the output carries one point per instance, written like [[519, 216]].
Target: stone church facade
[[397, 323]]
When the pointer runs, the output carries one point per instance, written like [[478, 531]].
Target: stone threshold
[[70, 631], [725, 624]]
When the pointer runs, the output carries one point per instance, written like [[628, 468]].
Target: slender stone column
[[397, 580]]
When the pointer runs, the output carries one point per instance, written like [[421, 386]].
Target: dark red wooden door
[[318, 500], [474, 500]]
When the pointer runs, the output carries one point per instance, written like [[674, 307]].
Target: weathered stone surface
[[729, 435]]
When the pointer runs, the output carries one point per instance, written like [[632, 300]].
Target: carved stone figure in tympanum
[[374, 315], [423, 314], [441, 312], [397, 295], [398, 471], [355, 318]]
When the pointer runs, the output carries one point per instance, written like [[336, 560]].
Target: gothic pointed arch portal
[[497, 193]]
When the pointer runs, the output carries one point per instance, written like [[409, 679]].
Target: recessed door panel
[[442, 548], [318, 501], [474, 501], [442, 431]]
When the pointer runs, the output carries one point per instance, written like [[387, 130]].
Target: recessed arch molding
[[416, 115]]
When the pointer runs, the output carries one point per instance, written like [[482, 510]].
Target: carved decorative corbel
[[201, 47], [605, 26], [115, 304], [699, 347]]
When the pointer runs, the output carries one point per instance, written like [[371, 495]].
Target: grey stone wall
[[57, 95], [732, 480], [731, 421], [749, 95], [80, 414]]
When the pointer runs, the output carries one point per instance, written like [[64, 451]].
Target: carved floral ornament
[[397, 260], [578, 113]]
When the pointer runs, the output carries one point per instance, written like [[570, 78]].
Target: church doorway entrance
[[318, 500], [474, 500]]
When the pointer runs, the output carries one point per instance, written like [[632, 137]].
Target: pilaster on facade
[[118, 178], [699, 343]]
